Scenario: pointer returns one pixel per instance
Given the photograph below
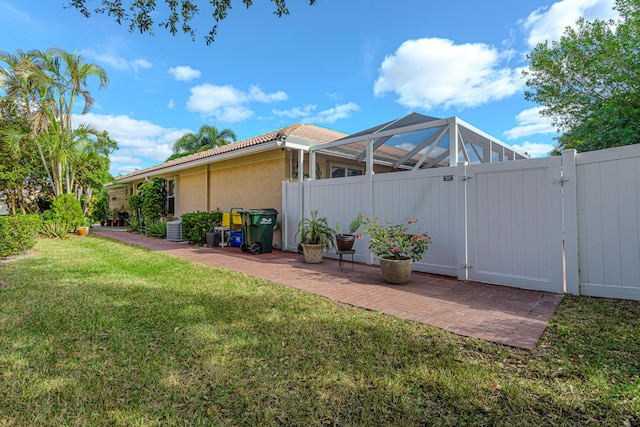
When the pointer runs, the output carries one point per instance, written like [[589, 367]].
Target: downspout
[[207, 185]]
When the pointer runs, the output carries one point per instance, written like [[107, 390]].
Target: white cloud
[[138, 64], [184, 73], [171, 104], [235, 114], [530, 122], [330, 115], [256, 94], [141, 143], [117, 62], [549, 23], [434, 72], [208, 99], [227, 102], [534, 149], [296, 112]]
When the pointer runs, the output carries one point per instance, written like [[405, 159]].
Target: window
[[171, 197], [341, 171]]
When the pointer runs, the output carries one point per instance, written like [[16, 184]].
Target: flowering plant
[[394, 241]]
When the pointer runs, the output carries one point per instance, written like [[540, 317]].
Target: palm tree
[[67, 77], [45, 85], [208, 137]]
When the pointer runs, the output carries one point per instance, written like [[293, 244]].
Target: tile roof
[[305, 131]]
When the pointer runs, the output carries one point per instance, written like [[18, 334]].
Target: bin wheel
[[256, 249], [244, 247]]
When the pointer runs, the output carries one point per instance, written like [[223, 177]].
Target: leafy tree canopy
[[177, 15], [208, 137], [38, 92], [588, 82]]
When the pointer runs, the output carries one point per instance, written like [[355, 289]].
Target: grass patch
[[96, 332]]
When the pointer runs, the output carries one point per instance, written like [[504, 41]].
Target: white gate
[[514, 223], [608, 206]]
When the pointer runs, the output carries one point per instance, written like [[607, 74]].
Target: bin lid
[[264, 211]]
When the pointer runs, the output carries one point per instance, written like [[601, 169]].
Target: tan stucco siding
[[119, 199], [191, 191], [249, 182]]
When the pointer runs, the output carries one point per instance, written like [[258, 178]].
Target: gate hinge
[[559, 181], [466, 178], [465, 265]]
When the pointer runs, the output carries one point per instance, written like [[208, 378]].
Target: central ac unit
[[174, 231]]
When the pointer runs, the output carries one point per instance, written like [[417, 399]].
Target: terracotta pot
[[345, 242], [312, 253], [396, 272], [82, 231]]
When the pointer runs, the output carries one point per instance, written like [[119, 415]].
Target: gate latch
[[559, 181]]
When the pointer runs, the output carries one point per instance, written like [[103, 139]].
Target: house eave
[[267, 146]]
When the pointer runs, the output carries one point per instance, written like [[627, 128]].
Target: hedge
[[18, 233], [196, 225]]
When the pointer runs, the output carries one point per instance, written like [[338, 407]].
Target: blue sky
[[343, 65]]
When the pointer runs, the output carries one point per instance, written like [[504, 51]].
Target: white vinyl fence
[[608, 222], [508, 223]]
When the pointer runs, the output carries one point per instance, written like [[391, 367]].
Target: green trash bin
[[257, 230]]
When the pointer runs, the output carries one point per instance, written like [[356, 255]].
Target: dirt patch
[[11, 258]]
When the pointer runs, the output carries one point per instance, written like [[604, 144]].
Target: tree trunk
[[45, 165]]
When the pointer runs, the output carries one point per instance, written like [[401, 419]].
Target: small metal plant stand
[[347, 252]]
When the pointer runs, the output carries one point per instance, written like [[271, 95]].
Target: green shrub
[[153, 195], [196, 225], [135, 205], [100, 207], [66, 209], [54, 230], [18, 233], [156, 229], [135, 225]]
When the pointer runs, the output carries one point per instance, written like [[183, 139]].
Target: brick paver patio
[[505, 315]]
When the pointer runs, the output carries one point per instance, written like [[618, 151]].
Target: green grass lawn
[[96, 332]]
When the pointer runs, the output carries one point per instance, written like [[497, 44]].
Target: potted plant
[[396, 247], [315, 234], [83, 228], [113, 218], [123, 218], [345, 242]]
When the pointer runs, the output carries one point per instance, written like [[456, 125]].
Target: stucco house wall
[[249, 182], [119, 198], [191, 190]]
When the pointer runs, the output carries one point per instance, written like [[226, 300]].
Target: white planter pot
[[312, 253]]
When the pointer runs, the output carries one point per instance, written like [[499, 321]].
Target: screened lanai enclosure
[[417, 142]]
